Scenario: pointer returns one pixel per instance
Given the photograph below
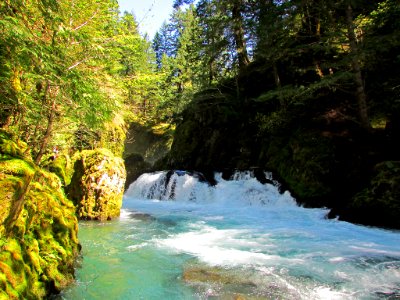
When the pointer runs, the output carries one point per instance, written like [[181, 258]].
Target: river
[[180, 238]]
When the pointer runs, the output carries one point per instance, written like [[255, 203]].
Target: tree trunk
[[18, 204], [358, 79], [50, 122], [238, 33], [276, 76]]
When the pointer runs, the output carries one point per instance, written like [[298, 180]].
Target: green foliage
[[54, 67], [273, 122], [303, 94]]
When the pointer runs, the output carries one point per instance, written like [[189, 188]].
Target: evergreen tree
[[49, 52]]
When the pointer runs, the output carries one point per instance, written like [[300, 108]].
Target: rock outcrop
[[135, 166], [38, 227], [379, 202], [97, 185]]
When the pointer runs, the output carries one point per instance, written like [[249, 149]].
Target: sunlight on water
[[179, 238]]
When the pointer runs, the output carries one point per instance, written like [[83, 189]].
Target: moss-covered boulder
[[97, 185], [305, 162], [39, 246], [61, 165], [379, 203]]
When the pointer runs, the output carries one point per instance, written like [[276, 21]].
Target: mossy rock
[[38, 252], [97, 185], [10, 146], [304, 162], [61, 165], [208, 138], [379, 203], [113, 136], [151, 142]]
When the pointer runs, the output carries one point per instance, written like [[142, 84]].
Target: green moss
[[113, 136], [304, 162], [61, 166], [379, 203], [98, 184], [36, 258], [11, 146], [17, 167]]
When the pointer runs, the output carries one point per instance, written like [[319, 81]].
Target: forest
[[307, 89], [74, 73]]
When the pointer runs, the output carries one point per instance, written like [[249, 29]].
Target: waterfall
[[242, 188]]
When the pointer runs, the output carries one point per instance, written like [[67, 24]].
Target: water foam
[[244, 189], [245, 225]]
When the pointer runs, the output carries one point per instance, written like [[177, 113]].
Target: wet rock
[[142, 217], [209, 274], [219, 283]]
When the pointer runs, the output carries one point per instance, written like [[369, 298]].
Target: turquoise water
[[182, 239], [117, 263]]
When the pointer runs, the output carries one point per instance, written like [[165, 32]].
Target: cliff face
[[145, 144], [38, 241], [315, 148]]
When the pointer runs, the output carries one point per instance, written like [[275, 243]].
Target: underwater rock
[[97, 185], [38, 248], [214, 282], [142, 217], [196, 274]]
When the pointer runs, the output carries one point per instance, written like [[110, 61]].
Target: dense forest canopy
[[307, 45], [74, 72]]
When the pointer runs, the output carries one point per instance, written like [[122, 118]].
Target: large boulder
[[38, 239], [379, 202], [97, 185]]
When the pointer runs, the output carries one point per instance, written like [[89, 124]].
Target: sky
[[150, 14]]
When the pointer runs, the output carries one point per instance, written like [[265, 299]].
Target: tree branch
[[77, 63], [87, 22]]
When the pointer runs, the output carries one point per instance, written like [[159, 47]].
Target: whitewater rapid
[[179, 237], [243, 224]]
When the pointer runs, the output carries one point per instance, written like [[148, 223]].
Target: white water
[[183, 239], [284, 251]]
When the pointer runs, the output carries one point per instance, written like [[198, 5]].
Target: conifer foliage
[[63, 65]]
